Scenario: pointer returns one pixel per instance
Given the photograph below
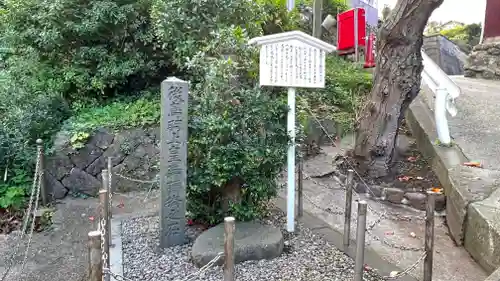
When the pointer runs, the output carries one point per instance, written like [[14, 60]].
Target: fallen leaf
[[393, 274], [404, 178], [475, 164], [367, 267], [121, 205], [91, 218], [437, 189], [190, 222], [389, 233], [412, 159]]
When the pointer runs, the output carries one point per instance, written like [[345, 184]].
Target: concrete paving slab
[[61, 254], [325, 200], [476, 127]]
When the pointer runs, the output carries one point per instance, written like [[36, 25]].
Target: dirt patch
[[12, 220], [411, 176], [412, 172]]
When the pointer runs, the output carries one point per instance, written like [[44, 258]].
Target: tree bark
[[396, 84]]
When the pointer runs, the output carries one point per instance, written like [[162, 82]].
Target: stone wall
[[445, 53], [135, 154], [484, 61]]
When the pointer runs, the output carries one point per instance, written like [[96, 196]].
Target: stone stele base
[[252, 241], [484, 61]]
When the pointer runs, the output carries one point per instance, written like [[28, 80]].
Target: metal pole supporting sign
[[293, 60]]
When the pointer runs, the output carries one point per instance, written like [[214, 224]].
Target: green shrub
[[238, 137], [98, 48], [26, 112], [184, 26], [342, 98], [277, 17]]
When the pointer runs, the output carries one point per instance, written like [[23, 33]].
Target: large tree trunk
[[396, 83]]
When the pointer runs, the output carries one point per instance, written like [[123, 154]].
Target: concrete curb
[[495, 276], [115, 251], [334, 237], [465, 188]]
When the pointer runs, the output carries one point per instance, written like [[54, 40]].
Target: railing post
[[95, 256], [429, 235], [360, 241], [104, 226], [348, 208], [229, 228], [300, 203], [41, 172], [440, 115]]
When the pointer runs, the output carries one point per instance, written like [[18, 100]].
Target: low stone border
[[116, 248], [469, 191], [115, 251], [495, 276], [394, 195]]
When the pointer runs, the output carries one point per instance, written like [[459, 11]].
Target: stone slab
[[173, 161], [482, 238], [253, 241], [468, 185]]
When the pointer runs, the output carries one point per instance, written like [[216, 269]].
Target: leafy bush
[[184, 26], [277, 17], [98, 48], [238, 137], [346, 86], [26, 112]]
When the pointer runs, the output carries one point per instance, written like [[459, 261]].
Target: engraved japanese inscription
[[173, 163]]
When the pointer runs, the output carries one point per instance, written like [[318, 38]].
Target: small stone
[[413, 235], [376, 190], [403, 144], [80, 181], [360, 187], [394, 195], [417, 200], [342, 178], [253, 241], [55, 188]]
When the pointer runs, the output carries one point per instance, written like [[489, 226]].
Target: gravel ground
[[306, 257]]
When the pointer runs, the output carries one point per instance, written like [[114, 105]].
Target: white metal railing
[[446, 92]]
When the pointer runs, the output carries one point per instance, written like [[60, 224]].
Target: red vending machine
[[347, 24]]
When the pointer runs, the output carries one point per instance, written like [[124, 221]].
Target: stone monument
[[173, 162], [484, 61]]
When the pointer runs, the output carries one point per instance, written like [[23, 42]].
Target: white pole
[[440, 116], [290, 225]]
